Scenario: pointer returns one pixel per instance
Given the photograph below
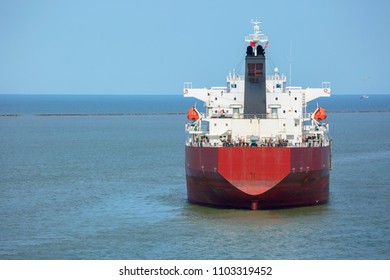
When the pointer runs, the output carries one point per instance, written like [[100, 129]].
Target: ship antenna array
[[257, 36], [290, 60], [290, 63]]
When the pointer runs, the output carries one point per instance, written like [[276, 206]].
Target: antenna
[[290, 60], [257, 36]]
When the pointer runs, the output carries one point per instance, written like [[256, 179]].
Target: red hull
[[257, 177]]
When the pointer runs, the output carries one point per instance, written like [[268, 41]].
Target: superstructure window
[[255, 70]]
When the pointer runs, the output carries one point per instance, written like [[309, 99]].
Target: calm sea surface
[[113, 187]]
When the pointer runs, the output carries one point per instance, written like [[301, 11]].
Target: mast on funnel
[[257, 37]]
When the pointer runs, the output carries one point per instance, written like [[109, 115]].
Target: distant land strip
[[104, 114], [358, 111], [9, 115]]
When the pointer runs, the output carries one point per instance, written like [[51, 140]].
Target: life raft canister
[[320, 114], [192, 114]]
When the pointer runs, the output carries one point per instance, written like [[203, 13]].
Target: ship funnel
[[255, 75]]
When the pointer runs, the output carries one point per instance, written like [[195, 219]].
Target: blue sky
[[152, 47]]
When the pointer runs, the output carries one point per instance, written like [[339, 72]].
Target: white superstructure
[[286, 122]]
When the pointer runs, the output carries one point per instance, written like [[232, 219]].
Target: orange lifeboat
[[192, 114], [320, 114]]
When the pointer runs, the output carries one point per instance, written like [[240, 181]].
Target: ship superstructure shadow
[[255, 146]]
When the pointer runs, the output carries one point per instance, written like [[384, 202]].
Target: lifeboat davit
[[193, 114], [320, 114]]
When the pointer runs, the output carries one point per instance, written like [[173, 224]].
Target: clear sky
[[152, 47]]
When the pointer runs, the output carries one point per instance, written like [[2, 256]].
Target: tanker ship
[[254, 146]]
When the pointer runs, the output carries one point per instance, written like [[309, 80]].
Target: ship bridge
[[228, 101]]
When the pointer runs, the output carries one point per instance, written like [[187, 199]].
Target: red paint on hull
[[269, 177]]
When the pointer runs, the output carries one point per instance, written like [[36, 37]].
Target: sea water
[[86, 186]]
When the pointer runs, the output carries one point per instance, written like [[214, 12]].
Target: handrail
[[273, 77]]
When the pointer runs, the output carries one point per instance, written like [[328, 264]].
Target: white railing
[[276, 77], [309, 143]]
